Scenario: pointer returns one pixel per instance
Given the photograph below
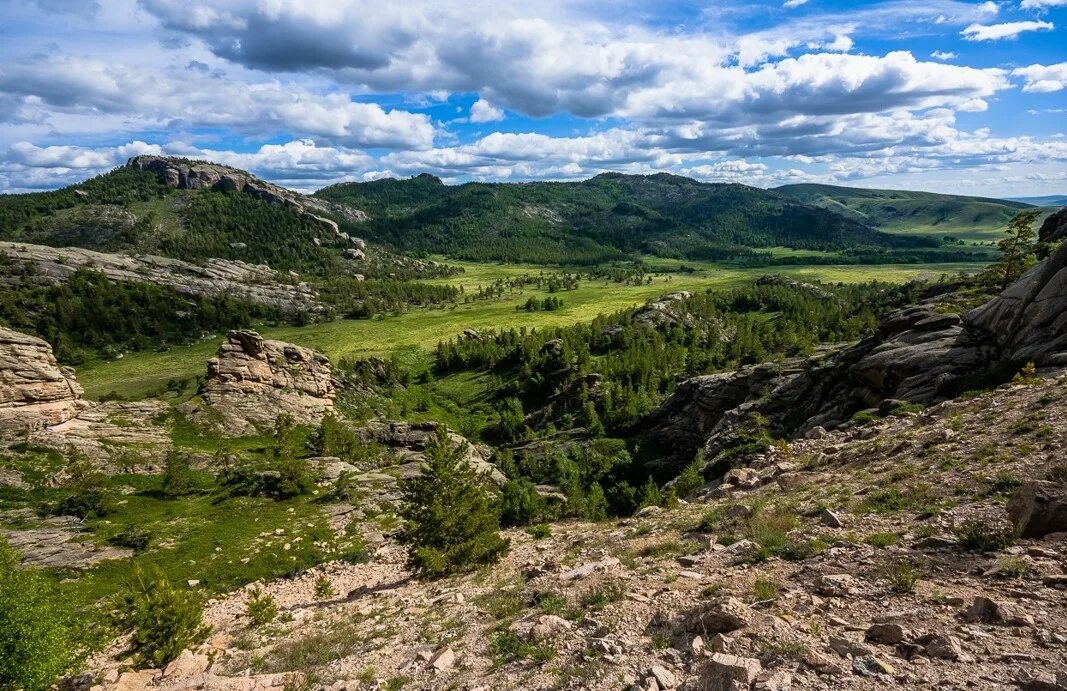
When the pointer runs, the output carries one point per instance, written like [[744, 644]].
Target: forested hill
[[907, 210], [599, 219], [131, 209]]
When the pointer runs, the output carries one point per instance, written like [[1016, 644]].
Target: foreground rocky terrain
[[847, 561]]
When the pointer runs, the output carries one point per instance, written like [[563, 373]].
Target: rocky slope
[[256, 283], [35, 391], [851, 561], [919, 355]]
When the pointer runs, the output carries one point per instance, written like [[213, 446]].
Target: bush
[[983, 537], [38, 638], [177, 476], [450, 523], [261, 608], [690, 479], [323, 588], [163, 619], [520, 504], [903, 576], [87, 495], [539, 531], [133, 537]]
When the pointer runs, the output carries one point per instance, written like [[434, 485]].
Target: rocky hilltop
[[35, 391], [253, 380], [256, 283], [201, 175]]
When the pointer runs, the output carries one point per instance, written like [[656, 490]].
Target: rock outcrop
[[408, 442], [35, 392], [917, 355], [252, 282], [1054, 228], [201, 175], [254, 380]]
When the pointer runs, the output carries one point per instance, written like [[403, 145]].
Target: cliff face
[[35, 392], [253, 380]]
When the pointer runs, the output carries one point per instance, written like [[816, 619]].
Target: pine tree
[[450, 523], [1016, 250]]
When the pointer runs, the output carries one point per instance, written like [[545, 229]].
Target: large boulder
[[1029, 319], [35, 392], [254, 380], [1054, 228], [1039, 508]]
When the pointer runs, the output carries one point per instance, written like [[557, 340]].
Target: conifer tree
[[1016, 250], [450, 523]]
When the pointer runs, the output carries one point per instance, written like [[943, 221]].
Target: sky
[[941, 95]]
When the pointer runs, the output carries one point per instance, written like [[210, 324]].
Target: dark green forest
[[597, 220]]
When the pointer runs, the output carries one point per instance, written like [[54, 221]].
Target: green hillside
[[902, 211], [596, 220]]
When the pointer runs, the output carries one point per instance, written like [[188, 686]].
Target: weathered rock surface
[[1039, 508], [254, 380], [35, 392], [1054, 227], [252, 282]]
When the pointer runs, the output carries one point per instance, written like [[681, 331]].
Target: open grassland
[[138, 374]]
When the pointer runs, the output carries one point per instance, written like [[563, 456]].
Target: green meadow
[[138, 374]]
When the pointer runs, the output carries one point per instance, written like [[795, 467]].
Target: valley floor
[[870, 575], [137, 375]]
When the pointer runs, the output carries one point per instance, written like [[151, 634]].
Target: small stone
[[697, 646], [889, 634], [727, 671], [193, 582], [870, 666], [664, 677], [774, 680], [944, 646], [443, 659], [989, 611], [830, 519]]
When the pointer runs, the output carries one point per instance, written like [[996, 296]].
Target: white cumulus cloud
[[484, 111], [996, 32]]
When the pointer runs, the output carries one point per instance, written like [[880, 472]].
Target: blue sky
[[943, 95]]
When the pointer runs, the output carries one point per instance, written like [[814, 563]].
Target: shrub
[[177, 476], [602, 595], [163, 619], [87, 495], [38, 637], [323, 588], [882, 540], [520, 504], [765, 591], [261, 608], [133, 537], [691, 479], [449, 521], [980, 536], [539, 531], [903, 576]]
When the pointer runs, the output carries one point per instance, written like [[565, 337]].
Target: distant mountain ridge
[[1048, 200], [602, 218]]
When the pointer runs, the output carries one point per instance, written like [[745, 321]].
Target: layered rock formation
[[1054, 227], [917, 355], [408, 442], [35, 391], [253, 380], [252, 282]]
